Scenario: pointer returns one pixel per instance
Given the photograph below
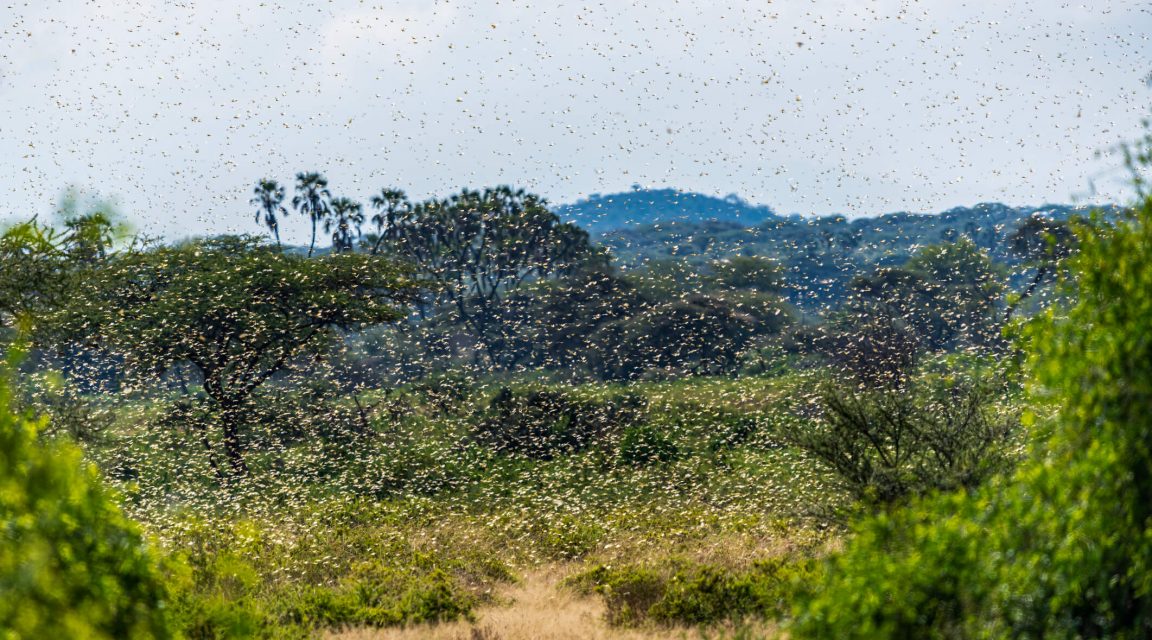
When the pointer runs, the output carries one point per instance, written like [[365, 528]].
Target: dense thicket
[[71, 564], [1061, 549]]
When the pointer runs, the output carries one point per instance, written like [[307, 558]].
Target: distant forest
[[819, 255]]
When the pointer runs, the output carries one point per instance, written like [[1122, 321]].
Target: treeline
[[818, 255], [567, 304], [481, 283]]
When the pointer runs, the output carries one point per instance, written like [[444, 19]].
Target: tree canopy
[[237, 311]]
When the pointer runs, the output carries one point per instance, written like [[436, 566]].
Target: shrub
[[644, 445], [71, 564], [394, 600], [566, 537], [886, 445], [541, 423], [682, 592], [69, 412], [446, 392], [242, 581]]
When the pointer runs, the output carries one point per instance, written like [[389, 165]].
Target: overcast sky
[[809, 106]]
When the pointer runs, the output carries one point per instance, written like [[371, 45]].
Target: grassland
[[681, 517]]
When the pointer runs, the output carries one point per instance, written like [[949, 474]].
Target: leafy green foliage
[[541, 423], [233, 309], [684, 592], [478, 246], [886, 445], [68, 410], [645, 444], [244, 580], [71, 564], [1062, 549], [818, 256], [699, 335], [945, 298], [34, 274], [749, 272]]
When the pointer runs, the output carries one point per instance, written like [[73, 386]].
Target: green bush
[[628, 592], [71, 564], [888, 444], [680, 592], [1063, 549], [244, 579], [398, 600], [542, 423], [644, 445]]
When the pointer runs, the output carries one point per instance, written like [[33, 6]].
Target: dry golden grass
[[538, 609]]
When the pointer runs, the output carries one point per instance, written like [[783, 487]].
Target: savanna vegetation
[[862, 430]]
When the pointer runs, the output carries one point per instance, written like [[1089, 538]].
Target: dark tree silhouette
[[268, 196], [392, 206], [311, 199], [343, 222]]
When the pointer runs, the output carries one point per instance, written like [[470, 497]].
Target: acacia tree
[[268, 196], [235, 310], [32, 270], [311, 199], [478, 245], [38, 262]]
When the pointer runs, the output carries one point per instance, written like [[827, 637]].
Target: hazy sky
[[810, 106]]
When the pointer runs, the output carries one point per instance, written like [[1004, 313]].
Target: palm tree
[[312, 198], [347, 215], [268, 196], [390, 203]]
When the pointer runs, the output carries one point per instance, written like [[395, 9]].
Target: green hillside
[[819, 254]]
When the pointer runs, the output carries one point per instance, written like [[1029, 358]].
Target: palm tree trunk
[[312, 246]]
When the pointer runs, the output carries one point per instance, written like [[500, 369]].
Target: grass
[[538, 608], [418, 526]]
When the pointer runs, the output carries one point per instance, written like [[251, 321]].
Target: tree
[[871, 342], [345, 219], [91, 227], [698, 335], [1061, 549], [478, 245], [749, 272], [232, 308], [887, 445], [1042, 244], [392, 206], [946, 293], [39, 262], [311, 199], [71, 565], [33, 271], [268, 196], [550, 324]]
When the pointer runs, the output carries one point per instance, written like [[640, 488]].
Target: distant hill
[[603, 213], [819, 254]]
